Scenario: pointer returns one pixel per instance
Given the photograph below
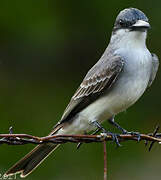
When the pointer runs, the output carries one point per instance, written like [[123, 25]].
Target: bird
[[119, 78]]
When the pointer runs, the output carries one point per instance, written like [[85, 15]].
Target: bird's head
[[132, 19], [131, 25]]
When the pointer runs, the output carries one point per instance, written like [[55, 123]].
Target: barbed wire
[[22, 139]]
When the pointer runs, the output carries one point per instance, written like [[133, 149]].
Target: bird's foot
[[124, 131], [114, 137], [137, 134]]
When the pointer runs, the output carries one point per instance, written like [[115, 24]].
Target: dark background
[[46, 48]]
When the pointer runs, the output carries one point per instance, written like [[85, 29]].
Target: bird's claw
[[114, 137]]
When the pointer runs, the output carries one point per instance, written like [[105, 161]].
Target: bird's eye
[[121, 22]]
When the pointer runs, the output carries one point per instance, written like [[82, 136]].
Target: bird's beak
[[140, 24]]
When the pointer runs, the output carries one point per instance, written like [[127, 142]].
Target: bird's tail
[[28, 163]]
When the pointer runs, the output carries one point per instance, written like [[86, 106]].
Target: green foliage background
[[46, 48]]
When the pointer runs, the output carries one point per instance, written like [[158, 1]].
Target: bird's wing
[[101, 77], [155, 65]]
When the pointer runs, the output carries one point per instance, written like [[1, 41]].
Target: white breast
[[130, 85]]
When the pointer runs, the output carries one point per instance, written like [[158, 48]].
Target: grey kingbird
[[125, 70]]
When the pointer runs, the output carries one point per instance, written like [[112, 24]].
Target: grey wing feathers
[[101, 76], [96, 81], [155, 65]]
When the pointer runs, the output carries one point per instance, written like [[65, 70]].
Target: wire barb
[[153, 135]]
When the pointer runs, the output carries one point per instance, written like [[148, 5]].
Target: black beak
[[140, 25]]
